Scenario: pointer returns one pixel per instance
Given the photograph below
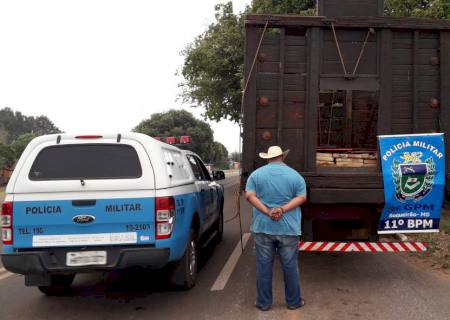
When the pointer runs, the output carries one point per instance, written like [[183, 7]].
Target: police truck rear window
[[86, 161]]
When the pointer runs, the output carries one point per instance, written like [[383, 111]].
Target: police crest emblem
[[413, 178]]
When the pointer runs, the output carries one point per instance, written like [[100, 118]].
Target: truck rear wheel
[[184, 272], [60, 285]]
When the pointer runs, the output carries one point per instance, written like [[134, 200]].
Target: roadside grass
[[438, 244], [445, 221], [2, 193]]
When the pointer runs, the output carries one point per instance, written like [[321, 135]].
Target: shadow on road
[[132, 283]]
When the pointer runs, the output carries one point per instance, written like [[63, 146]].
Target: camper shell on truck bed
[[326, 86]]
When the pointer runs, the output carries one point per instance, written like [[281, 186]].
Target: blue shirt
[[276, 184]]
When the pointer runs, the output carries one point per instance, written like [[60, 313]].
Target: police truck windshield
[[86, 161]]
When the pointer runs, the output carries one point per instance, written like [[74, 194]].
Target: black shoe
[[263, 308], [296, 306]]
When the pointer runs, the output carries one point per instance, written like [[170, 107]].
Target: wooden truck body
[[326, 86]]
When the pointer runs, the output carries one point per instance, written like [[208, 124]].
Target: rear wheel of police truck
[[184, 272], [60, 285]]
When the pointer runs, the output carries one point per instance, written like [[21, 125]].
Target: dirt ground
[[437, 257]]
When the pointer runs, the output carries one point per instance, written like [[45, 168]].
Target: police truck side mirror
[[218, 175]]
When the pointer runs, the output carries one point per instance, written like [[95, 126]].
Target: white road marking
[[228, 268]]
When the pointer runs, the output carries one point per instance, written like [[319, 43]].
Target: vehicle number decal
[[138, 227]]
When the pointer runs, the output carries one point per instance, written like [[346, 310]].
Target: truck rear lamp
[[7, 208], [7, 223], [89, 137], [7, 236], [164, 230], [164, 217]]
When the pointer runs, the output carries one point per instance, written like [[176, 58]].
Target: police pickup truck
[[78, 204]]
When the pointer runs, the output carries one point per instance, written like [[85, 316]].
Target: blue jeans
[[266, 248]]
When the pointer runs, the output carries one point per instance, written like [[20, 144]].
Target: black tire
[[219, 225], [184, 272], [60, 285]]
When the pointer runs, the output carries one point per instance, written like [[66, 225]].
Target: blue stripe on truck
[[55, 217], [127, 215]]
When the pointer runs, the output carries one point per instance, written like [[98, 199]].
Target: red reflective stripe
[[334, 246], [371, 248], [404, 246], [360, 248], [414, 244], [345, 247], [329, 246]]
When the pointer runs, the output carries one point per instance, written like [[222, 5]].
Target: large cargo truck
[[326, 86]]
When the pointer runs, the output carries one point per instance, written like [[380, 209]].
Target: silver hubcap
[[192, 258]]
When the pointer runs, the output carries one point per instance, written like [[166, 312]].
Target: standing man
[[276, 192]]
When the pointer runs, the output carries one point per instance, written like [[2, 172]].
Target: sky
[[96, 66]]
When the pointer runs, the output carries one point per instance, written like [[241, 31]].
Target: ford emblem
[[83, 219]]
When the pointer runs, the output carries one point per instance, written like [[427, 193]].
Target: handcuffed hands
[[276, 213]]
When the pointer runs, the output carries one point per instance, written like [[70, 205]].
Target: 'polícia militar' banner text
[[414, 181]]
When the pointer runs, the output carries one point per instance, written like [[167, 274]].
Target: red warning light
[[185, 139], [171, 140]]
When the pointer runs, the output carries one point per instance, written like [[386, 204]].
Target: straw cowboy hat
[[273, 152]]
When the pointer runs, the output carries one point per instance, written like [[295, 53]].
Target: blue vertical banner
[[414, 182]]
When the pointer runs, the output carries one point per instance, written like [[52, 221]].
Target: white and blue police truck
[[77, 204]]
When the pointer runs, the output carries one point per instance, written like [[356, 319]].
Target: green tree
[[235, 156], [213, 66], [178, 123], [438, 9], [7, 156], [219, 155], [21, 143], [13, 124], [42, 125], [303, 7]]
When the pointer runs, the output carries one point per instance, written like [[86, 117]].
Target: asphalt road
[[342, 286]]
